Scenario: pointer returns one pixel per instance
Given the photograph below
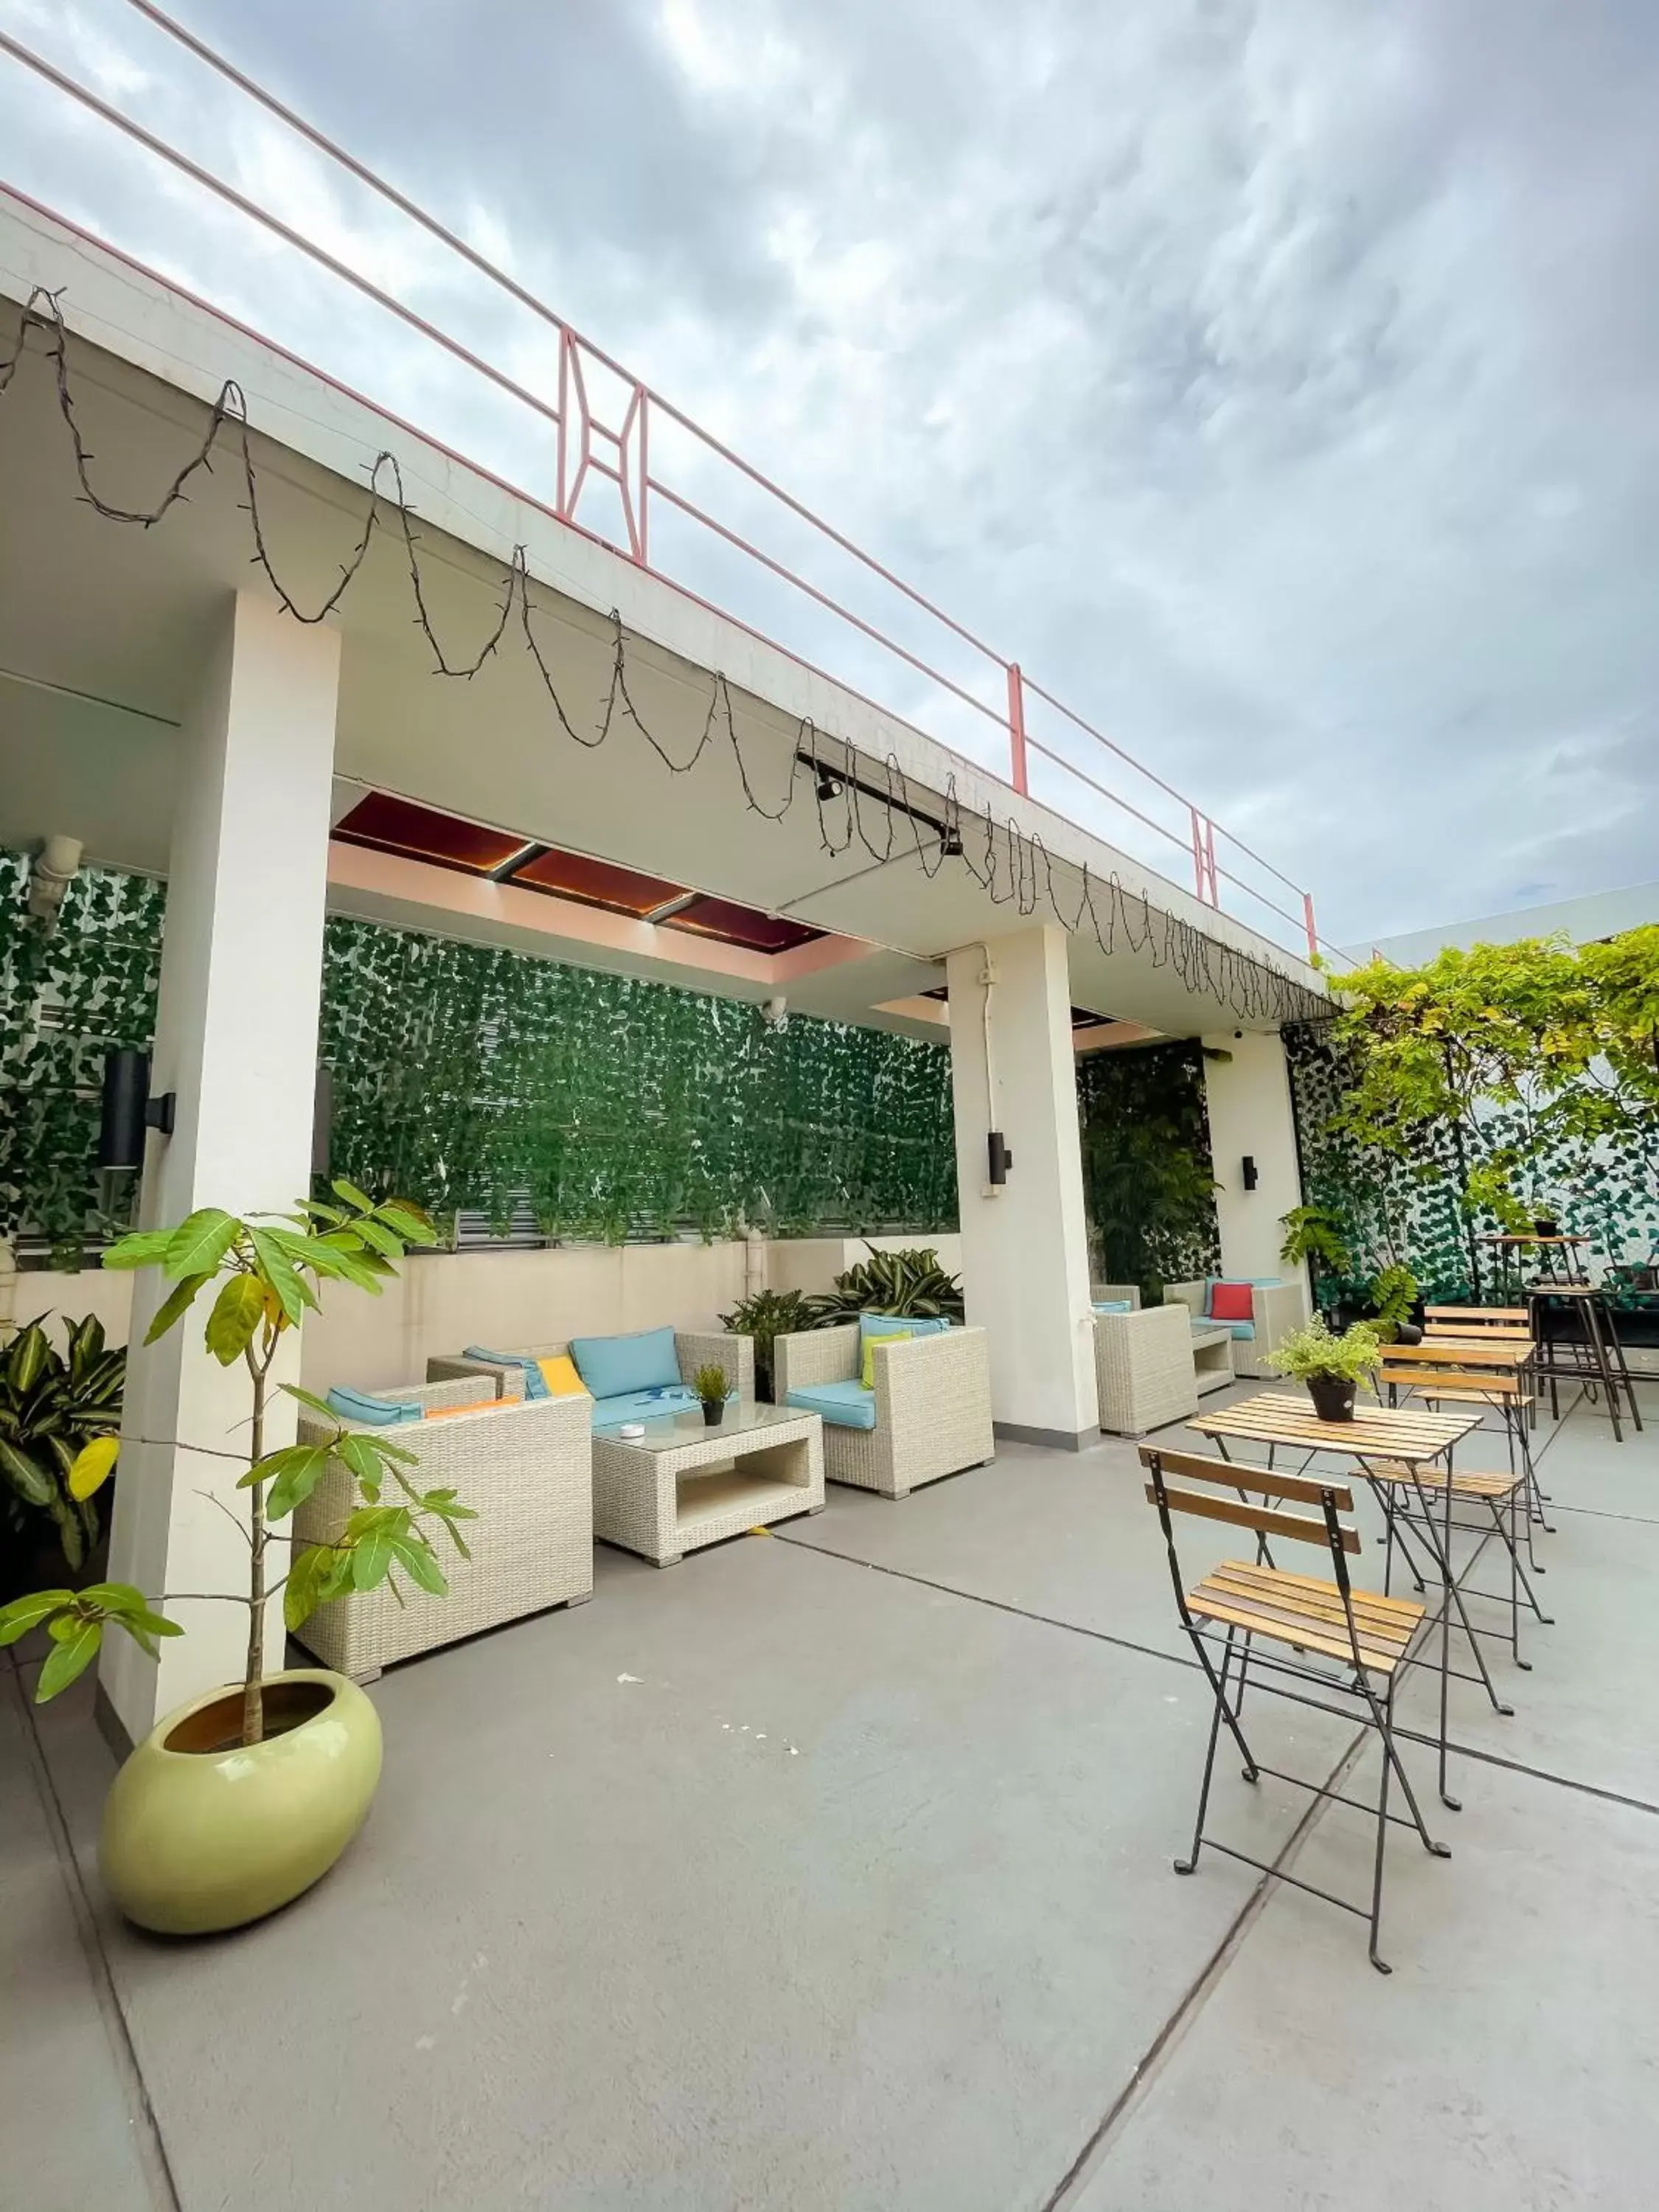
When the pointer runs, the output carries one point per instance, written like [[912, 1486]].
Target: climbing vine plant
[[68, 995], [1147, 1176], [472, 1078]]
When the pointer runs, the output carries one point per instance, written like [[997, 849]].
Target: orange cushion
[[477, 1406], [1232, 1302]]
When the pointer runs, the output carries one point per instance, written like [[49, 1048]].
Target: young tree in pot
[[179, 1853], [763, 1316], [1333, 1367]]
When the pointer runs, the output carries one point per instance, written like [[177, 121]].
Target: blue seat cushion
[[1114, 1305], [843, 1404], [612, 1366], [641, 1406], [875, 1324], [373, 1412]]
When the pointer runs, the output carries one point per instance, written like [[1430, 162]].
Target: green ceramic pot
[[200, 1834]]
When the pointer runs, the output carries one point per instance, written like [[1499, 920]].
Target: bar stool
[[1592, 1354]]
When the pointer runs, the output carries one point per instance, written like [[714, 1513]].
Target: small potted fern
[[1333, 1367]]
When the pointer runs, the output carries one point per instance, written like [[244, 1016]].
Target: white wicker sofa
[[526, 1469], [1276, 1309], [692, 1348], [1144, 1373], [931, 1404]]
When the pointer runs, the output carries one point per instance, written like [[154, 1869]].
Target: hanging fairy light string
[[851, 790]]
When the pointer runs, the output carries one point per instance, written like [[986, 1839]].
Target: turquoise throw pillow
[[875, 1324]]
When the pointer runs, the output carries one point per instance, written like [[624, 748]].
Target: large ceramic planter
[[200, 1834]]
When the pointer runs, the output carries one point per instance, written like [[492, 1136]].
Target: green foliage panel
[[1147, 1176], [67, 997], [466, 1076]]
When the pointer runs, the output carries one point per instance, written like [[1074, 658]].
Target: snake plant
[[911, 1283]]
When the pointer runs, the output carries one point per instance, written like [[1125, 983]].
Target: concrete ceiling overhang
[[103, 625]]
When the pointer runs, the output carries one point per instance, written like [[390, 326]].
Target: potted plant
[[60, 1413], [765, 1316], [911, 1284], [1332, 1366], [244, 1797], [711, 1386]]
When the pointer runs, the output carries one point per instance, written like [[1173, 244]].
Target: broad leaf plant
[[269, 1271]]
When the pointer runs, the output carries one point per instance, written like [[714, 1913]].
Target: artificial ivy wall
[[478, 1079], [1147, 1178], [1405, 1210]]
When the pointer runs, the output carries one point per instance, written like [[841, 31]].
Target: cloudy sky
[[1278, 383]]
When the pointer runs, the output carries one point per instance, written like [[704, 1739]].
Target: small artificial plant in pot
[[243, 1797], [1333, 1367], [711, 1386]]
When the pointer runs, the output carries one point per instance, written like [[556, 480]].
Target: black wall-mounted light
[[999, 1158], [1251, 1178], [129, 1110], [322, 1122]]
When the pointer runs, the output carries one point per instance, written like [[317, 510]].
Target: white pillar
[[1024, 1247], [236, 1043], [1248, 1092]]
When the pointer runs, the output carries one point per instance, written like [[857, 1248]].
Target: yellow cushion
[[877, 1336], [477, 1406], [560, 1377]]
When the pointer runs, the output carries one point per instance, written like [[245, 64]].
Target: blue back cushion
[[372, 1413], [612, 1366], [875, 1324]]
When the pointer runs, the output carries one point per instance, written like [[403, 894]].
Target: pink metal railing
[[588, 447]]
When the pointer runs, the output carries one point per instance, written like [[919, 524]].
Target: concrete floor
[[830, 1872]]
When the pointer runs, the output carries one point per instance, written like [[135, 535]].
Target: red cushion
[[1232, 1302]]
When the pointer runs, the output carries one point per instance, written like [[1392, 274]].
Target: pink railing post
[[644, 471], [1207, 884], [1016, 730], [561, 464], [1308, 919]]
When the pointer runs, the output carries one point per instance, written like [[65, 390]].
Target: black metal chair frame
[[1270, 1673]]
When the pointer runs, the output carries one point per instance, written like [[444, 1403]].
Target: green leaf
[[293, 1293], [303, 1589], [383, 1241], [316, 1404], [30, 1355], [24, 1613], [69, 1658], [360, 1457], [370, 1559], [421, 1561], [352, 1195], [407, 1222], [92, 1466], [31, 1483], [198, 1244], [237, 1312], [176, 1302], [143, 1247], [293, 1475]]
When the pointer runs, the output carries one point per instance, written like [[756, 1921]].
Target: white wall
[[1249, 1099]]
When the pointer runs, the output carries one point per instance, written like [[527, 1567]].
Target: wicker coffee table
[[682, 1485]]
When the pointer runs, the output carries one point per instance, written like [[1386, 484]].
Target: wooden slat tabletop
[[1444, 1351], [1278, 1416]]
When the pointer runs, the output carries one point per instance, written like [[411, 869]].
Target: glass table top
[[674, 1431]]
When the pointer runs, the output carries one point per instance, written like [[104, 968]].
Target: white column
[[1248, 1092], [236, 1043], [1024, 1247]]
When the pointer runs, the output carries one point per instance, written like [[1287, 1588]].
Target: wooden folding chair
[[1241, 1604]]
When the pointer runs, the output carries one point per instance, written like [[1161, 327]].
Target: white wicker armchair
[[933, 1404], [1277, 1309], [1143, 1369], [526, 1469], [692, 1348], [1103, 1294]]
